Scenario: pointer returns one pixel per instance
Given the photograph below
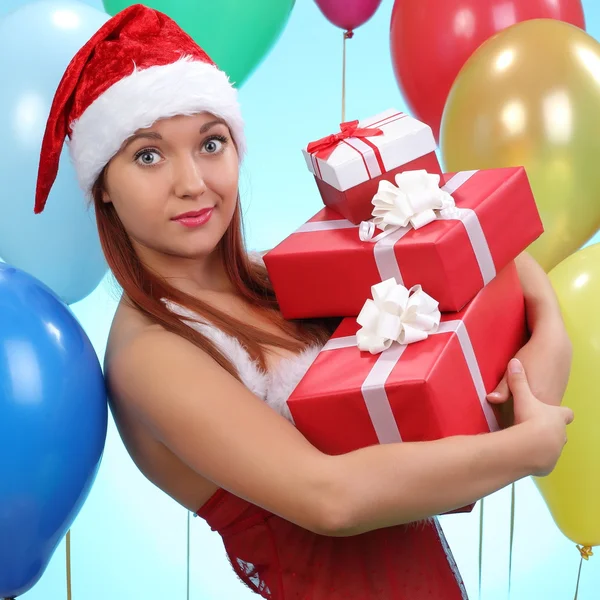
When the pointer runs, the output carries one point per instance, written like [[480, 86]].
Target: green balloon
[[236, 34]]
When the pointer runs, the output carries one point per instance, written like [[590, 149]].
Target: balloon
[[53, 422], [60, 246], [430, 40], [236, 35], [594, 240], [530, 96], [348, 14], [7, 6], [572, 490]]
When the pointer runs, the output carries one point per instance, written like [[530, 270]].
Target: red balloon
[[348, 14], [430, 40]]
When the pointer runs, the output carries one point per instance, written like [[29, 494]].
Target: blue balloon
[[61, 246], [7, 6], [53, 423]]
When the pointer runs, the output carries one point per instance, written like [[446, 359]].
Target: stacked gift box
[[420, 264]]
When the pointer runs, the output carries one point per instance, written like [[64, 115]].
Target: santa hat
[[139, 67]]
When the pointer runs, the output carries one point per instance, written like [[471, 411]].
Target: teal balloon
[[60, 247], [236, 34]]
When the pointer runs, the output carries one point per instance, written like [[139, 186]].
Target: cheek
[[137, 193], [138, 210], [231, 198], [223, 181], [230, 180]]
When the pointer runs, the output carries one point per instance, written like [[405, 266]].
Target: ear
[[100, 184]]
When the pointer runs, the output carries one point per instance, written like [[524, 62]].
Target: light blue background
[[129, 541]]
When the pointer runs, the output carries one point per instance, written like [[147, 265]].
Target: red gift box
[[427, 390], [324, 269], [349, 165]]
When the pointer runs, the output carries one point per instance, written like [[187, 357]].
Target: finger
[[501, 393], [517, 380], [569, 415]]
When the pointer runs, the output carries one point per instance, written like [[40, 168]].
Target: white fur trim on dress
[[185, 87], [275, 386]]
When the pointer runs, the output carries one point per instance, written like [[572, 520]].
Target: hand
[[546, 358], [545, 426], [547, 355]]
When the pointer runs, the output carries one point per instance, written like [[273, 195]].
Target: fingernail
[[515, 366], [494, 395]]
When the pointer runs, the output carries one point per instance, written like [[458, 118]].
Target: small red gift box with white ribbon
[[451, 235], [403, 372], [349, 165]]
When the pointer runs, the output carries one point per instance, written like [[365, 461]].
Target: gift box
[[349, 165], [326, 268], [428, 390]]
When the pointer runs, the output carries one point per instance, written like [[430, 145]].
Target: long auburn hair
[[145, 289]]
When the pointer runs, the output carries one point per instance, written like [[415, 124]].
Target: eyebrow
[[153, 135], [211, 124]]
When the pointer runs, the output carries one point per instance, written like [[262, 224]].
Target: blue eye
[[146, 157], [214, 144]]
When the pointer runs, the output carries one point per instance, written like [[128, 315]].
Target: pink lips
[[195, 219]]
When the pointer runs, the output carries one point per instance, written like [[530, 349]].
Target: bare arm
[[228, 435], [401, 483], [548, 354], [540, 298]]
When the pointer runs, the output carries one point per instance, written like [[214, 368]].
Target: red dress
[[282, 561]]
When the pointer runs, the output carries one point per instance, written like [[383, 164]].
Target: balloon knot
[[348, 35], [585, 551]]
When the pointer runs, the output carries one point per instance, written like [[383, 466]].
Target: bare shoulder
[[128, 327], [216, 427], [135, 345], [155, 461], [128, 323]]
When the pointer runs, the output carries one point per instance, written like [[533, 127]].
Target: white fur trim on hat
[[185, 87]]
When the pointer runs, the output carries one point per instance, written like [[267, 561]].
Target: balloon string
[[69, 565], [188, 555], [585, 553], [68, 555], [480, 543], [347, 35], [512, 535]]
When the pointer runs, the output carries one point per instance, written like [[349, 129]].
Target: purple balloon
[[348, 14]]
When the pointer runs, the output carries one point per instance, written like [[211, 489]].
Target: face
[[183, 164]]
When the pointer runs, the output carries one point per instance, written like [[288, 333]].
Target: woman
[[199, 361]]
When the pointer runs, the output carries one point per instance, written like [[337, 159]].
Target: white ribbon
[[385, 255], [396, 314], [384, 243], [415, 200], [373, 388]]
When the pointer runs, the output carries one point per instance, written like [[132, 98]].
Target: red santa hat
[[139, 67]]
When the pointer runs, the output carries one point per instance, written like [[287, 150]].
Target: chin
[[198, 242], [199, 250]]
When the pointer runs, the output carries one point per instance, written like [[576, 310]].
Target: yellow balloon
[[530, 96], [572, 490]]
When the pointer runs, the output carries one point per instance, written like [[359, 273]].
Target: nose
[[188, 178]]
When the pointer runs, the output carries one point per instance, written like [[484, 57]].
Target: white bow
[[413, 200], [396, 314]]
